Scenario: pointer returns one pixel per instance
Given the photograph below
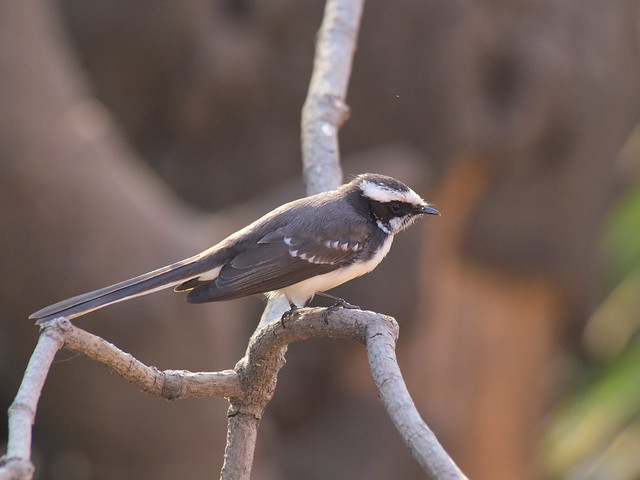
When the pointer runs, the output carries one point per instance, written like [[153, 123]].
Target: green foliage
[[595, 434], [622, 239], [590, 435]]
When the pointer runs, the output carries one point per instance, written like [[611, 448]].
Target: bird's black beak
[[426, 209]]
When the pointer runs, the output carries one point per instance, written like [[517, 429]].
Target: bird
[[298, 250]]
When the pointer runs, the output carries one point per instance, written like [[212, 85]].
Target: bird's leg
[[340, 303], [289, 313]]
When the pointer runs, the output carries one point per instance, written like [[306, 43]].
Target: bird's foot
[[288, 314], [340, 303]]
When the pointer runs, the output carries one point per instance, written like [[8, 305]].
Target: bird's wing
[[276, 261]]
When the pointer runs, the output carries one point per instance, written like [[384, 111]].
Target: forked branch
[[379, 334], [249, 386]]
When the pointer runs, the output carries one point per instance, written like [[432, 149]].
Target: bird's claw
[[340, 303], [288, 314]]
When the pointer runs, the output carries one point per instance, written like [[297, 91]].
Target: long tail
[[159, 279]]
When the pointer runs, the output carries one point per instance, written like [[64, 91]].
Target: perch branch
[[259, 368], [249, 388]]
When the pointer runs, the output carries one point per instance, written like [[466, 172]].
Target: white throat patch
[[381, 193], [395, 225]]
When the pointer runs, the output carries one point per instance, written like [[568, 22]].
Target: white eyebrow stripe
[[381, 193]]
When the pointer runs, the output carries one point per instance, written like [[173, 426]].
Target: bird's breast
[[300, 293]]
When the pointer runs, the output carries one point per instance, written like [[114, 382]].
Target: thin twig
[[168, 384], [22, 412]]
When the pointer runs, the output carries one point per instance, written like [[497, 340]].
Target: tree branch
[[168, 384], [249, 388], [16, 464], [325, 109], [59, 333], [259, 368], [417, 436]]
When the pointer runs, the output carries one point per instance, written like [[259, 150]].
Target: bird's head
[[392, 205]]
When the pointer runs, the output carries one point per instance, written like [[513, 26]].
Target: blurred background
[[134, 134]]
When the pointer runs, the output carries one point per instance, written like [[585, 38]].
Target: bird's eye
[[395, 207]]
